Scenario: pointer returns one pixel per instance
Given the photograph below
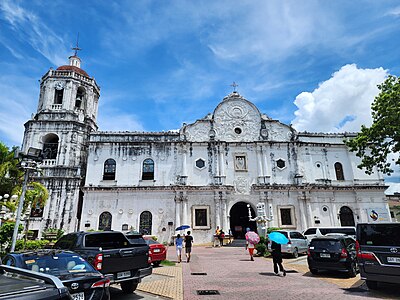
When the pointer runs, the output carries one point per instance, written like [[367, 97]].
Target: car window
[[296, 235], [310, 231], [111, 240], [330, 245], [57, 264], [379, 235], [66, 242]]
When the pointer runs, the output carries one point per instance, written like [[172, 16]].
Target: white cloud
[[342, 103], [28, 27]]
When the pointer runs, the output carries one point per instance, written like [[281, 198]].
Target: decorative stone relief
[[198, 132], [236, 120], [242, 185]]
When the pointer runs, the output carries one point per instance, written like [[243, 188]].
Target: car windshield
[[151, 242], [329, 245], [135, 239], [348, 231], [57, 264], [380, 235]]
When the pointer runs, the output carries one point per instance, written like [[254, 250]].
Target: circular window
[[318, 166], [325, 209], [238, 130]]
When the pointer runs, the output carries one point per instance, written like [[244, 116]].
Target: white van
[[313, 232]]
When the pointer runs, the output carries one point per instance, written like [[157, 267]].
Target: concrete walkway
[[230, 273]]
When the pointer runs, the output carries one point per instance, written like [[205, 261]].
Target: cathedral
[[213, 172]]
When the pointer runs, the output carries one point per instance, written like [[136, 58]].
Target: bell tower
[[65, 116]]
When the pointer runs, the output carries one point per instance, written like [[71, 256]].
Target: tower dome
[[74, 65]]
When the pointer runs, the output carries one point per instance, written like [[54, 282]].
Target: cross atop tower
[[234, 85], [76, 48]]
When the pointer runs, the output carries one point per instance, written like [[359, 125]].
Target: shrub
[[31, 245], [261, 249], [270, 229]]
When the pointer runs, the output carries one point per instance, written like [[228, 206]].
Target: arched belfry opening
[[239, 220]]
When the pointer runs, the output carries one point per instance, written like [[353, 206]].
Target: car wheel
[[314, 271], [372, 285], [353, 270], [156, 263], [128, 287], [295, 253]]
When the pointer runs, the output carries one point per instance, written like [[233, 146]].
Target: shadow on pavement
[[118, 294], [329, 274], [385, 291]]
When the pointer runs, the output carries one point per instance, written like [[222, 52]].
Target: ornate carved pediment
[[237, 120]]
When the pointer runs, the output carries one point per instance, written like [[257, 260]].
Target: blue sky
[[314, 64]]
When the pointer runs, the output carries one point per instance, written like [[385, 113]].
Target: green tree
[[373, 144], [10, 174]]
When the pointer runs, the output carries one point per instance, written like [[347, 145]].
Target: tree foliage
[[374, 144]]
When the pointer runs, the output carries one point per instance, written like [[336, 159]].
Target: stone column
[[260, 162], [217, 209], [177, 210], [335, 214], [221, 163], [184, 161], [225, 221], [185, 209]]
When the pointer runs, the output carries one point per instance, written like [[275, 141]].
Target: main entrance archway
[[239, 220]]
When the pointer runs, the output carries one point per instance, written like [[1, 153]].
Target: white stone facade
[[203, 176]]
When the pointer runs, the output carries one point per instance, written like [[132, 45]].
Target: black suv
[[378, 253], [333, 252]]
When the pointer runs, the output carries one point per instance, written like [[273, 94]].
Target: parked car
[[313, 232], [21, 284], [111, 254], [334, 253], [297, 243], [158, 252], [378, 253], [81, 279]]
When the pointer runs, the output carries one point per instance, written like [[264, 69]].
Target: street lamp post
[[30, 163]]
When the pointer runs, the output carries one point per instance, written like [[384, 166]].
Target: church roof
[[73, 68]]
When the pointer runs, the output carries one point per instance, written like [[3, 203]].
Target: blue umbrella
[[278, 237], [182, 227]]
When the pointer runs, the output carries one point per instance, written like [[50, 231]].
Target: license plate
[[325, 255], [78, 296], [123, 274], [156, 250], [395, 260]]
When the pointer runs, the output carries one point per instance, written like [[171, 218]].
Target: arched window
[[339, 171], [50, 146], [80, 94], [148, 169], [346, 216], [145, 222], [105, 220], [109, 169], [58, 96]]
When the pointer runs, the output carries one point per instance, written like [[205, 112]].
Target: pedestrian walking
[[277, 258], [179, 245], [221, 237], [216, 237], [188, 245], [252, 239]]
